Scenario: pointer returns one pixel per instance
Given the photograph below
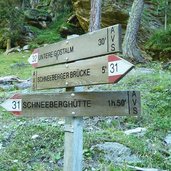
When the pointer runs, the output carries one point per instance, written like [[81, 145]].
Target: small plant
[[160, 44]]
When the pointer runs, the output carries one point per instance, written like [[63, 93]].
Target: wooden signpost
[[75, 104], [100, 42], [101, 70], [83, 60]]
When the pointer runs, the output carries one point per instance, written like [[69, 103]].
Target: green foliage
[[162, 7], [11, 20], [49, 35], [161, 40], [160, 43]]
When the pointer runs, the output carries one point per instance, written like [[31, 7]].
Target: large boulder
[[72, 26], [37, 18], [112, 13], [116, 153]]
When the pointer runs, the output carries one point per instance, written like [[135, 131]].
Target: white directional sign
[[75, 104], [101, 70], [100, 42], [33, 59], [14, 104]]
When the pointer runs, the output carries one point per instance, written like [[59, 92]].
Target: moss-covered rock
[[72, 26], [37, 18], [111, 13]]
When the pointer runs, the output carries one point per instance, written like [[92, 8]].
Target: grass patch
[[15, 64], [24, 152]]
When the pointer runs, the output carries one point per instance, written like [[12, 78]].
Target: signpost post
[[73, 144], [83, 60]]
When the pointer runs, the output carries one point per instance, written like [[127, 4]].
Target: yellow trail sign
[[100, 42], [75, 104]]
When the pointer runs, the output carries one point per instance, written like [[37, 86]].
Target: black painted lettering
[[51, 105], [71, 49], [134, 94], [47, 104], [101, 41], [42, 104], [117, 103], [63, 51], [55, 54], [112, 30], [53, 77], [40, 57], [135, 110], [67, 74], [60, 104], [29, 105], [78, 103], [46, 55], [65, 104], [69, 104], [71, 74], [88, 72], [82, 73], [64, 75], [104, 69], [88, 103], [75, 103], [134, 101], [36, 105], [74, 73], [24, 105], [112, 47], [55, 103], [112, 38], [111, 103]]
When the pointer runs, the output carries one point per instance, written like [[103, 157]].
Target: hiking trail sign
[[75, 104], [101, 70], [82, 60], [100, 42]]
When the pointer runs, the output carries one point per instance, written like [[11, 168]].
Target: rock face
[[112, 13], [71, 27], [168, 139], [13, 82], [117, 153], [37, 18]]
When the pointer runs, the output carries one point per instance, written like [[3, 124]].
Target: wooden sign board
[[100, 42], [101, 70], [75, 104]]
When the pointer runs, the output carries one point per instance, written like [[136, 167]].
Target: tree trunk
[[34, 3], [130, 46], [95, 16], [23, 5], [165, 14], [8, 44]]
